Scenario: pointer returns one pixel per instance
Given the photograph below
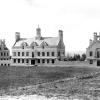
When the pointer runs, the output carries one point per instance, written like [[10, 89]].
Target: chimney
[[17, 36], [95, 36], [38, 33], [3, 42], [61, 35]]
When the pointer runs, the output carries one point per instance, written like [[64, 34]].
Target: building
[[93, 51], [4, 54], [37, 50]]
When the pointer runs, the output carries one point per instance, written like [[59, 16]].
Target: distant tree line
[[75, 57]]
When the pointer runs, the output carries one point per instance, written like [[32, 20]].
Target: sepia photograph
[[49, 50]]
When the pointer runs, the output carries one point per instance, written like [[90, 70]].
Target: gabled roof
[[51, 41], [93, 44]]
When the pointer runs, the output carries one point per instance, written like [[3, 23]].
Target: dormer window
[[33, 45], [23, 45], [43, 45]]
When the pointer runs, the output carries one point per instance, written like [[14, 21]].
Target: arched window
[[98, 52]]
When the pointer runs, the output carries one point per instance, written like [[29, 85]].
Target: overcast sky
[[77, 18]]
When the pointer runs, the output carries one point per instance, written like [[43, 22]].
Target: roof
[[94, 43], [51, 41], [3, 48]]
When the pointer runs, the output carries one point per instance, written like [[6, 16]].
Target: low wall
[[57, 63], [68, 63]]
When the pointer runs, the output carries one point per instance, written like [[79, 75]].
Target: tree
[[83, 57]]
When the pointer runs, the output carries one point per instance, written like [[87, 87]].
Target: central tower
[[38, 33]]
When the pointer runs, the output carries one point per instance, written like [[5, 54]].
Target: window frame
[[53, 53], [91, 53], [22, 60], [18, 53], [23, 54], [27, 53], [48, 53], [43, 53]]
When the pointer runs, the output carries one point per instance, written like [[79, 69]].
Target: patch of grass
[[14, 76]]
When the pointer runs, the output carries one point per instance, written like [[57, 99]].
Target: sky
[[78, 19]]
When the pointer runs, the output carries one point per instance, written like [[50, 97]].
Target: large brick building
[[4, 54], [38, 50], [93, 51]]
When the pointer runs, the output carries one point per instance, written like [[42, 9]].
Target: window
[[98, 54], [47, 53], [43, 53], [38, 60], [32, 54], [27, 61], [7, 54], [32, 47], [91, 61], [14, 60], [27, 53], [52, 53], [22, 60], [38, 53], [18, 60], [47, 60], [22, 53], [18, 53], [43, 60], [91, 53], [4, 54], [43, 47], [58, 53], [22, 47], [1, 54], [53, 61]]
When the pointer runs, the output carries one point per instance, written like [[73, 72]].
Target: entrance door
[[98, 62], [32, 62]]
